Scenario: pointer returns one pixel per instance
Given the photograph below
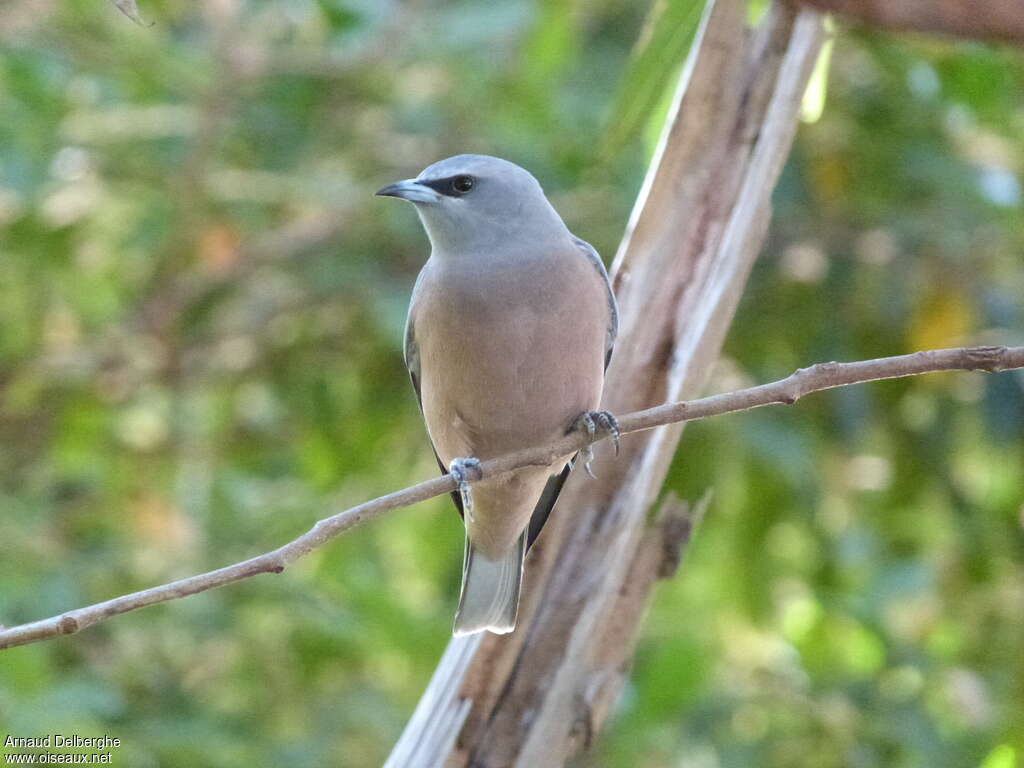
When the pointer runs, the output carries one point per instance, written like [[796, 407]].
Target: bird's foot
[[591, 422], [465, 471]]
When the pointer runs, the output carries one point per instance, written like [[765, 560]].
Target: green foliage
[[653, 70], [200, 354]]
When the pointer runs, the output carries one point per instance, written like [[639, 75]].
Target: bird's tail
[[490, 590]]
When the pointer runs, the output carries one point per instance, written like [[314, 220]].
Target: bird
[[511, 326]]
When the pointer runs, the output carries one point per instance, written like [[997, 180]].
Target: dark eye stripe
[[445, 186]]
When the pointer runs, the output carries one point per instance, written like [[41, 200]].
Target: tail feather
[[490, 590]]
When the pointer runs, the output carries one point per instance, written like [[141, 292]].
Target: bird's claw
[[590, 422], [465, 471]]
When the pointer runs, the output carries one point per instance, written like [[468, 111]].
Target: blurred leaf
[[656, 61], [813, 104]]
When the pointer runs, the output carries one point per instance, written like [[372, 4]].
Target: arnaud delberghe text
[[57, 740]]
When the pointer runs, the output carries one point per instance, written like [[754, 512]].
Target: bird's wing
[[412, 364], [613, 308]]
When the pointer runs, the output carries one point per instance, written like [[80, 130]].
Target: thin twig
[[785, 391]]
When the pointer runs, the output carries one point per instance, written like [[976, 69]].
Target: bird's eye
[[462, 184]]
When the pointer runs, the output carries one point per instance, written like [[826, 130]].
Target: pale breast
[[510, 357]]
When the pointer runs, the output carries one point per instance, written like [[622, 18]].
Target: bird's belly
[[502, 384]]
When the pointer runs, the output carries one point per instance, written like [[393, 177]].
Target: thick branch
[[785, 391], [986, 19]]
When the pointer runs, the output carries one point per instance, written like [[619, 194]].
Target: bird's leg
[[590, 422], [464, 471]]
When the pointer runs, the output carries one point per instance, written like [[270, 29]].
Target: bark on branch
[[984, 19], [785, 391]]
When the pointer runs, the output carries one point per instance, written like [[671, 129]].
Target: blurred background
[[201, 312]]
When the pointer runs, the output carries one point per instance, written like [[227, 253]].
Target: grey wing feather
[[411, 350], [613, 308], [412, 357]]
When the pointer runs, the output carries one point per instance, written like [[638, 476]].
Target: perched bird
[[510, 330]]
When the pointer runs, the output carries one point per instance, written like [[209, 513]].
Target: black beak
[[410, 190], [391, 190]]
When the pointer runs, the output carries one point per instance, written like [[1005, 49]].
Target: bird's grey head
[[473, 202]]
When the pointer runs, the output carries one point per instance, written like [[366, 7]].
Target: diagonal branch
[[782, 392]]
